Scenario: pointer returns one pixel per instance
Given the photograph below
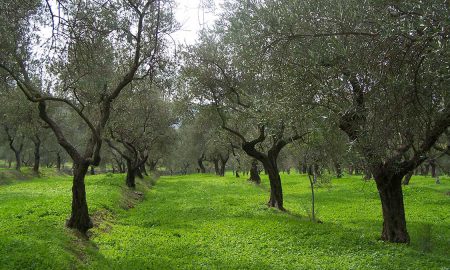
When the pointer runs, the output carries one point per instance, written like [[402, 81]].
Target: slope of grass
[[32, 217], [208, 222]]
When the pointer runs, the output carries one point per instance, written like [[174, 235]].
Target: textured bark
[[394, 222], [130, 179], [276, 191], [79, 218], [407, 178], [223, 162], [18, 157], [37, 153], [58, 161], [216, 166], [254, 175]]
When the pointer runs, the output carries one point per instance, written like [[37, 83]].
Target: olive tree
[[95, 51]]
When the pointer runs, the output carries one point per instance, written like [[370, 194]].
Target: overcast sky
[[193, 15]]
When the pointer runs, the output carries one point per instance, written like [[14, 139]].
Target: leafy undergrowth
[[33, 213], [208, 222]]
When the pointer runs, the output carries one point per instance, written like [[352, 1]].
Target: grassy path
[[207, 222]]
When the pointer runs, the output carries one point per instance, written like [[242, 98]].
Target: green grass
[[208, 222]]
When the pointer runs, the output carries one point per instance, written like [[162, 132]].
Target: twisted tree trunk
[[79, 218]]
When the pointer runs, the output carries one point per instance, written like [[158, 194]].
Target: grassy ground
[[207, 222]]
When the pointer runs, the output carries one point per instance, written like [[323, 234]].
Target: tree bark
[[407, 178], [200, 164], [276, 191], [58, 161], [338, 168], [139, 172], [143, 170], [37, 153], [130, 180], [394, 222], [216, 166], [17, 154], [79, 218], [223, 162], [152, 165], [254, 175], [432, 164], [17, 150]]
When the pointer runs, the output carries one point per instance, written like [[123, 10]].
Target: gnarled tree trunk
[[276, 191], [394, 222], [79, 218]]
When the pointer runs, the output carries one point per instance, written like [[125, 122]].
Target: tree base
[[81, 226]]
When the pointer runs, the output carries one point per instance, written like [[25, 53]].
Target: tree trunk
[[317, 170], [223, 163], [254, 175], [58, 161], [200, 165], [37, 154], [17, 154], [394, 222], [367, 174], [79, 218], [407, 178], [143, 170], [304, 168], [130, 180], [350, 169], [426, 169], [338, 168], [152, 165], [216, 166], [276, 192], [433, 167], [139, 172]]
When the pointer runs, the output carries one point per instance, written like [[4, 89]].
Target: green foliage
[[207, 222]]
